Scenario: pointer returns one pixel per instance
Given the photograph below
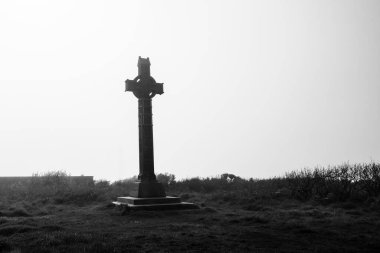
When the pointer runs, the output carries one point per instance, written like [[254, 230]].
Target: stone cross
[[144, 87], [147, 193]]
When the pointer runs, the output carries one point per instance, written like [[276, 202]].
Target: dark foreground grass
[[277, 226], [235, 215]]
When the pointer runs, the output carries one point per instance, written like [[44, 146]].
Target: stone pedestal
[[163, 203], [149, 201], [148, 189], [151, 196]]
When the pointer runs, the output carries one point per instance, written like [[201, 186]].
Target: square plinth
[[149, 201], [164, 203], [149, 189]]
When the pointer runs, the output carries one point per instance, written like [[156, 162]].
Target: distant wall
[[79, 180]]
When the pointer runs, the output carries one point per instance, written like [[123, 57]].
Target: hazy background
[[254, 88]]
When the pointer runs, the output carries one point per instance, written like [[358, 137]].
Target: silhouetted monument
[[144, 87], [147, 191]]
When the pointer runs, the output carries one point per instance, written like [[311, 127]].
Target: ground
[[274, 225]]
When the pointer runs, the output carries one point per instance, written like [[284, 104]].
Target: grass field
[[334, 209]]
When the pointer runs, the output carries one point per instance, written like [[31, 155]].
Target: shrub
[[166, 179], [357, 182]]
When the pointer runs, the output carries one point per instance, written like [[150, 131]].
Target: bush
[[357, 182], [166, 179]]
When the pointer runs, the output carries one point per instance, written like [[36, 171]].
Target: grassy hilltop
[[335, 209]]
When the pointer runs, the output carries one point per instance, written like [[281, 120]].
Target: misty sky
[[254, 88]]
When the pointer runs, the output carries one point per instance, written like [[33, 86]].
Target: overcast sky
[[254, 88]]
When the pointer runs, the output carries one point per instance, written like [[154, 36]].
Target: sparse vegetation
[[318, 209], [357, 182]]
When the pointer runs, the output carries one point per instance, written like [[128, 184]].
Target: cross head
[[144, 86]]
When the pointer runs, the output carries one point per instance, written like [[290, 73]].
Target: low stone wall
[[78, 180]]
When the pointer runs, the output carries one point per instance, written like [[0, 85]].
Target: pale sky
[[253, 88]]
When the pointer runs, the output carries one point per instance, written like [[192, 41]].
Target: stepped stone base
[[150, 195], [148, 201], [163, 203]]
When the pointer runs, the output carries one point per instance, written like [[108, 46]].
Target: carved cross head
[[144, 86]]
